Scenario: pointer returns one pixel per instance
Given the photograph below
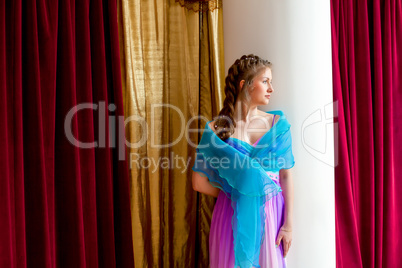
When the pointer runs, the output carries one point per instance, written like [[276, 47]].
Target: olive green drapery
[[172, 71]]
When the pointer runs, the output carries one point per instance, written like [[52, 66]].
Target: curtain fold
[[211, 96], [201, 5], [162, 84], [64, 203], [367, 63]]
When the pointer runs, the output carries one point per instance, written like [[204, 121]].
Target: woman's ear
[[241, 84]]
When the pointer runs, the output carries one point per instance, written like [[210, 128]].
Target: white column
[[296, 37]]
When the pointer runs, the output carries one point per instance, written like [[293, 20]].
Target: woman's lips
[[267, 96]]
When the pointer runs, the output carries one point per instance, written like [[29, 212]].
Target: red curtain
[[61, 205], [367, 73]]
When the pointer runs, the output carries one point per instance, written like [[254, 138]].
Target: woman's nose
[[270, 88]]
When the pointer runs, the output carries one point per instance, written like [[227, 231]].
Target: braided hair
[[246, 68]]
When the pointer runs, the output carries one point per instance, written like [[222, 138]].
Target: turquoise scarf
[[244, 180]]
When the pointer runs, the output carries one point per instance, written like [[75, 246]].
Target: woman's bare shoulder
[[212, 125], [268, 116], [277, 116], [264, 114]]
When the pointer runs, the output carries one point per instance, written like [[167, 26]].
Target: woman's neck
[[244, 113]]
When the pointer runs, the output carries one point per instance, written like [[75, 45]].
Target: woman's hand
[[285, 234]]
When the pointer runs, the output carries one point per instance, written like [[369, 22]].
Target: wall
[[295, 36]]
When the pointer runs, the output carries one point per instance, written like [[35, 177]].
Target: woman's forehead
[[265, 73]]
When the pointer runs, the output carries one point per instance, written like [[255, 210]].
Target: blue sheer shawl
[[244, 180]]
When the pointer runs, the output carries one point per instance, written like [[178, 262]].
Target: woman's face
[[261, 88]]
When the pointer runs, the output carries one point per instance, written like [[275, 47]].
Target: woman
[[244, 159]]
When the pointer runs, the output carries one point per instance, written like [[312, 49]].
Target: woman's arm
[[200, 180], [201, 184], [286, 182], [285, 233]]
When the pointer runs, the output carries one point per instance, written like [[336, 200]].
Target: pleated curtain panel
[[71, 194], [64, 202], [172, 53], [367, 84]]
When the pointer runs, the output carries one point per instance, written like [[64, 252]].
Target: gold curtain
[[211, 94], [201, 5], [164, 61]]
